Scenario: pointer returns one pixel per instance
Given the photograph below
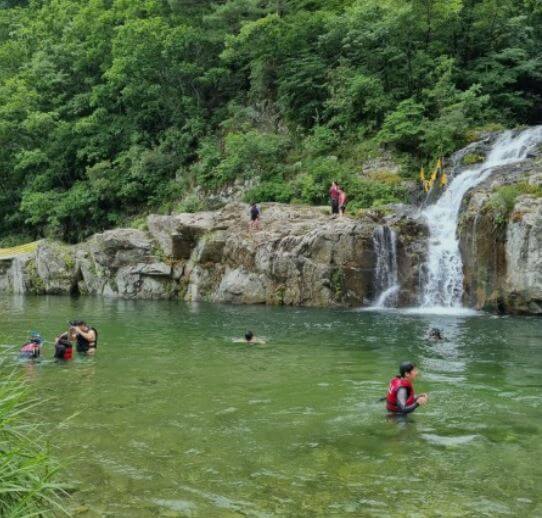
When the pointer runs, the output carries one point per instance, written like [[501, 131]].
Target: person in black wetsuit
[[401, 399], [85, 336]]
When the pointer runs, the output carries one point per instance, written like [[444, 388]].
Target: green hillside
[[112, 108]]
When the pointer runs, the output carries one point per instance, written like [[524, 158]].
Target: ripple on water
[[181, 506], [456, 440]]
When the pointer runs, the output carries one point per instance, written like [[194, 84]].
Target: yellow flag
[[443, 179]]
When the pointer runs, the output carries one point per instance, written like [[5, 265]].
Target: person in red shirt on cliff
[[342, 202], [334, 198]]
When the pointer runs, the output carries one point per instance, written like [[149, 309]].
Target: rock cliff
[[298, 256]]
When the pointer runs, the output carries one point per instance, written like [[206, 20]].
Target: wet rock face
[[502, 254], [523, 252], [298, 256]]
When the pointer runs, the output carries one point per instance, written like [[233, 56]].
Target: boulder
[[179, 234], [56, 267]]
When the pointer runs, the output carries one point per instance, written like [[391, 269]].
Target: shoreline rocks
[[299, 257]]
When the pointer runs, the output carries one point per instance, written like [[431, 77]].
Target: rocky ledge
[[299, 256]]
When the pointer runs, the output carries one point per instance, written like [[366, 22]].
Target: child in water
[[32, 348], [64, 347], [249, 339]]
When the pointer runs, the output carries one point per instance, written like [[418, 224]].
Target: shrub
[[191, 203], [503, 199], [276, 190], [473, 158]]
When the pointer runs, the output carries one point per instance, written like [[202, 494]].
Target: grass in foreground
[[27, 472]]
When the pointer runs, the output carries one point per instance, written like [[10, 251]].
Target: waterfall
[[17, 275], [386, 277], [444, 283]]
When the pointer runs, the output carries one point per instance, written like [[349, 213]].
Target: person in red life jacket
[[342, 202], [401, 398], [334, 198], [32, 348], [64, 347]]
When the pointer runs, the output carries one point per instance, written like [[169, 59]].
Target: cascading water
[[386, 276], [17, 275], [444, 283]]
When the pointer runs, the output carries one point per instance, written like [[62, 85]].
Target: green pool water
[[171, 418]]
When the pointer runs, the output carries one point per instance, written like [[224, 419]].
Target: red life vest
[[68, 353], [391, 399]]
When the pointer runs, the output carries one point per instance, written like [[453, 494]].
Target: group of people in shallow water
[[79, 333], [401, 398]]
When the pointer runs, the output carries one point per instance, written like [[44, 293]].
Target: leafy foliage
[[111, 108]]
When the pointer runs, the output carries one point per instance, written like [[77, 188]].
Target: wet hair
[[249, 335], [405, 368], [435, 331], [77, 323]]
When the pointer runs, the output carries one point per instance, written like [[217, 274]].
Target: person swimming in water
[[401, 399], [32, 348], [249, 339], [435, 334]]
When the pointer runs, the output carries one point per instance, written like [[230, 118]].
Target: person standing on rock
[[342, 202], [255, 213], [334, 198]]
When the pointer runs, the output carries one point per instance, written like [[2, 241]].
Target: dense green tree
[[110, 108]]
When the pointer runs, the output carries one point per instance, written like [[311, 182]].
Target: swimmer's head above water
[[408, 371], [435, 334]]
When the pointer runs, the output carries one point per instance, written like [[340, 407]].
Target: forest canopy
[[112, 108]]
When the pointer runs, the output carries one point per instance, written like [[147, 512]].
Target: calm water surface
[[173, 419]]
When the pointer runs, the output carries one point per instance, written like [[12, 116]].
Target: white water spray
[[17, 275], [386, 276], [444, 283]]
